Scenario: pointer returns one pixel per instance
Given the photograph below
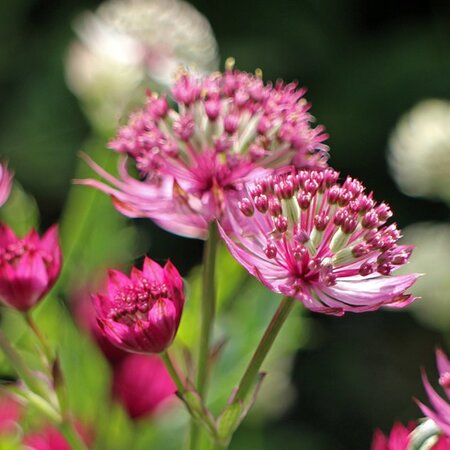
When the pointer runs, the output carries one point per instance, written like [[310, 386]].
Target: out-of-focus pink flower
[[227, 129], [303, 235], [50, 438], [441, 413], [29, 266], [6, 178], [85, 317], [142, 384], [399, 439], [141, 314], [10, 413]]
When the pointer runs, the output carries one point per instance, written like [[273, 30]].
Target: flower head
[[142, 384], [303, 235], [6, 178], [441, 413], [228, 128], [126, 44], [49, 438], [141, 314], [29, 266]]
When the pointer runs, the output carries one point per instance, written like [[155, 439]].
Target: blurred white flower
[[432, 258], [129, 45], [419, 153]]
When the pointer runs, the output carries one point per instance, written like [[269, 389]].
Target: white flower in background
[[129, 45], [419, 153], [431, 257]]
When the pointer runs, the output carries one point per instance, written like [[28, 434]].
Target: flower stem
[[41, 338], [172, 371], [207, 318], [263, 348], [19, 365]]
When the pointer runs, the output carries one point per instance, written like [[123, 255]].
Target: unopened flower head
[[228, 129], [143, 385], [6, 178], [420, 150], [29, 266], [141, 313], [303, 235], [126, 44], [440, 413]]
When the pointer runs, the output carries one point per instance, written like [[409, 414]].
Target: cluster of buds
[[141, 314], [227, 129], [29, 266], [305, 236]]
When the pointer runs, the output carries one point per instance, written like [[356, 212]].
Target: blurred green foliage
[[364, 63]]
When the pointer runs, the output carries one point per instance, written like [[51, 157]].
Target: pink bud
[[29, 266], [141, 314]]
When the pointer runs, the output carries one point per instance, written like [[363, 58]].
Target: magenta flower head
[[226, 129], [441, 412], [143, 385], [305, 236], [6, 178], [29, 266], [141, 314]]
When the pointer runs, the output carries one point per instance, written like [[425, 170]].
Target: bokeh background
[[365, 64]]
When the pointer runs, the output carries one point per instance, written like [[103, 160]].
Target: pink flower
[[6, 178], [141, 314], [10, 414], [50, 438], [303, 235], [29, 266], [142, 384], [441, 413], [227, 129], [85, 317], [399, 439]]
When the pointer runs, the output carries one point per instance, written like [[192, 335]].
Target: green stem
[[263, 348], [72, 437], [19, 366], [40, 337], [207, 321], [172, 371]]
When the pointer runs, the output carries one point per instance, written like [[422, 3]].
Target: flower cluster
[[29, 266], [141, 314], [228, 128], [304, 235]]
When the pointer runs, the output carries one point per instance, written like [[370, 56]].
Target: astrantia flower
[[420, 150], [126, 44], [29, 266], [227, 129], [305, 236], [142, 384], [441, 412], [6, 178], [141, 314]]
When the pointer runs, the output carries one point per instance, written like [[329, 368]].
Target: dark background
[[365, 63]]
